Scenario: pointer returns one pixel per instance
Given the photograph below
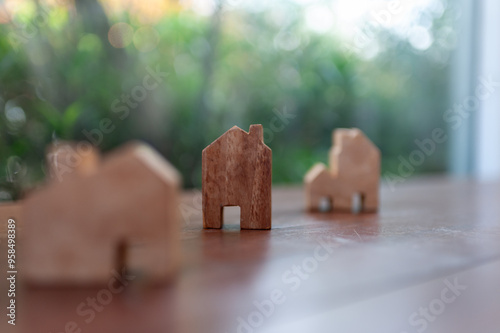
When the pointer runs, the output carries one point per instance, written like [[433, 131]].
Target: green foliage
[[244, 69]]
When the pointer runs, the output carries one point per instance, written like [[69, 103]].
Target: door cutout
[[325, 204], [121, 257], [357, 203], [231, 215]]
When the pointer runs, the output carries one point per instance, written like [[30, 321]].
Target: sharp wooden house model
[[236, 171]]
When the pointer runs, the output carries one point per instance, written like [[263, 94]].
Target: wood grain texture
[[354, 169], [124, 214], [381, 269], [237, 171]]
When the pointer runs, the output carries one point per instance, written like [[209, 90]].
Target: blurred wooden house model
[[121, 215], [354, 170], [236, 171]]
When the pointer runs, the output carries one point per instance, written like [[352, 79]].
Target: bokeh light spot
[[286, 41], [420, 38], [146, 39], [120, 35], [5, 196], [203, 7], [319, 18], [15, 117], [4, 15], [90, 43], [16, 168]]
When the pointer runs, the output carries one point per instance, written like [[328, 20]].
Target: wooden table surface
[[429, 261]]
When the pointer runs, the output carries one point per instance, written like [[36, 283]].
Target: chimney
[[257, 131]]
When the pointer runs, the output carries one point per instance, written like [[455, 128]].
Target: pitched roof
[[315, 171], [147, 157], [232, 129]]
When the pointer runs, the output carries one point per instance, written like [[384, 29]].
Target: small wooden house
[[120, 217], [236, 171], [354, 170]]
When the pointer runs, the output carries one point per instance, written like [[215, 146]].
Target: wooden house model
[[236, 171], [354, 170], [122, 216]]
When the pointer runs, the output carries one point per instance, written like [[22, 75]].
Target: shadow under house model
[[93, 225], [354, 170], [236, 171]]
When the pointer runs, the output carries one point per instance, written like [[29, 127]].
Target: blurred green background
[[299, 68]]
